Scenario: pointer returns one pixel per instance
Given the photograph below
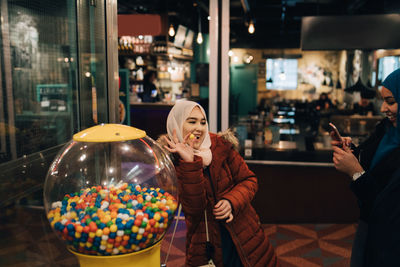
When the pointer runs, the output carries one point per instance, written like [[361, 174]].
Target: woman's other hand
[[345, 161], [223, 210], [346, 141], [184, 149]]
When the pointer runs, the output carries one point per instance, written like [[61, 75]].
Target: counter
[[301, 187], [296, 157], [303, 194]]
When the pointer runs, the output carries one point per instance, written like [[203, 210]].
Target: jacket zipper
[[231, 232], [233, 235]]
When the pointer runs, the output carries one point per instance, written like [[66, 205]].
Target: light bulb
[[251, 27], [171, 31], [199, 38]]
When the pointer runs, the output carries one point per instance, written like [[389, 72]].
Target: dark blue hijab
[[391, 139]]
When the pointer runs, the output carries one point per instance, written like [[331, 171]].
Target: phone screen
[[337, 135]]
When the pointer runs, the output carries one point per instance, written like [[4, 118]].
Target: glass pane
[[93, 63], [38, 83]]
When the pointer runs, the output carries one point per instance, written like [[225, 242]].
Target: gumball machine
[[110, 195]]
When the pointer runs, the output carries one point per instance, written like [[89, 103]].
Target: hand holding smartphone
[[336, 136]]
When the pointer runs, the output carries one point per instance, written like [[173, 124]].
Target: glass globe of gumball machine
[[110, 194]]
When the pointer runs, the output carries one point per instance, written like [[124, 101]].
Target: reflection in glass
[[38, 76]]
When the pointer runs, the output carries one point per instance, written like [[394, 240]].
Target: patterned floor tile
[[299, 261]]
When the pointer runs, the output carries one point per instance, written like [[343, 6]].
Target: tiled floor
[[312, 244], [27, 240]]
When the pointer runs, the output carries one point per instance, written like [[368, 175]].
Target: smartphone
[[337, 135]]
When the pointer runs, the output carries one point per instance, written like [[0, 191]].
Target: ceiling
[[277, 22]]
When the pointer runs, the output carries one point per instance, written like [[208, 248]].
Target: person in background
[[365, 106], [324, 108], [323, 103], [150, 93], [375, 170], [214, 181]]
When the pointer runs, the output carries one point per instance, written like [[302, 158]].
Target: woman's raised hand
[[184, 149]]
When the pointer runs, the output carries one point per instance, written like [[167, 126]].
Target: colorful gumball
[[122, 225]]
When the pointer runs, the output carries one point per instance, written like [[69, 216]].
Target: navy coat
[[378, 193]]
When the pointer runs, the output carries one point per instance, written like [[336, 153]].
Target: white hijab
[[177, 116]]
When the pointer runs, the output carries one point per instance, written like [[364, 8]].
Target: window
[[281, 74], [387, 65]]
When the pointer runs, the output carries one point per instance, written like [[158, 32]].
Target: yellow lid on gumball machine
[[109, 133]]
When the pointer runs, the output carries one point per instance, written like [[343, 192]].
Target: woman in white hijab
[[214, 181], [192, 130]]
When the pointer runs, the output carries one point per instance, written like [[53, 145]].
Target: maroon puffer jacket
[[232, 180]]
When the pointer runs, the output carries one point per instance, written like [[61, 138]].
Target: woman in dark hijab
[[375, 169]]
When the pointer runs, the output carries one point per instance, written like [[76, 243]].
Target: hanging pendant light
[[251, 27], [171, 30], [199, 38]]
